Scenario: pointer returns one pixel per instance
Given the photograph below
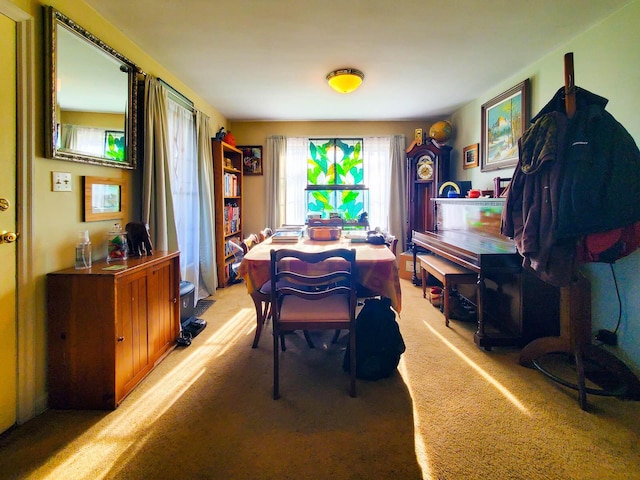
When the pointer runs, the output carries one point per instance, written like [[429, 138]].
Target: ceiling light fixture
[[345, 80]]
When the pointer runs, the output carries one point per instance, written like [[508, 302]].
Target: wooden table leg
[[423, 273], [444, 298], [479, 337], [262, 312]]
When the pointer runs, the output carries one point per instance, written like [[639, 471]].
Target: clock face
[[425, 168]]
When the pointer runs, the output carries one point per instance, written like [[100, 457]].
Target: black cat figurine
[[138, 239]]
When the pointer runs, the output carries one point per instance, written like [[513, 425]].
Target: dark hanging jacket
[[574, 177]]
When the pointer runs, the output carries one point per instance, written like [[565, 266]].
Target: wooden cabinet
[[228, 184], [108, 328], [427, 167]]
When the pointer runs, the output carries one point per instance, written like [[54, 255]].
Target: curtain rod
[[180, 97]]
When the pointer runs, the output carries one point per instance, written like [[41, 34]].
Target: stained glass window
[[335, 178]]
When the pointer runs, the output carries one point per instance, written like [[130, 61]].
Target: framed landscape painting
[[504, 120]]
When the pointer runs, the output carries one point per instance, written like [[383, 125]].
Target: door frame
[[28, 406]]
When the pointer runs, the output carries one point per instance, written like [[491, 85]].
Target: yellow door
[[8, 327]]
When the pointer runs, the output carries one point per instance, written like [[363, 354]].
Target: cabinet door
[[132, 351], [81, 330], [163, 305]]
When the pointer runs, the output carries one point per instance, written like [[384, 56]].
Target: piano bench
[[446, 272]]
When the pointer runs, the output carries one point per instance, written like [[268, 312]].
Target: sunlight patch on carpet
[[497, 385], [227, 336], [124, 436], [420, 449]]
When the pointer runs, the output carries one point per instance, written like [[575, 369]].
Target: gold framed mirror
[[92, 97]]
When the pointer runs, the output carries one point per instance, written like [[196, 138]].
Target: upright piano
[[513, 306]]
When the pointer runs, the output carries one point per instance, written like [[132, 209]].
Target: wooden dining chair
[[392, 243], [498, 189], [363, 292], [313, 291], [249, 242], [261, 296], [266, 233]]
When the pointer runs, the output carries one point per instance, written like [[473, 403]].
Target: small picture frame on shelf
[[470, 156], [251, 159]]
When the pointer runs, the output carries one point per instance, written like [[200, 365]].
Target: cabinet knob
[[175, 300], [120, 339]]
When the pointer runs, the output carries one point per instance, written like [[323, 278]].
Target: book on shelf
[[231, 218], [231, 186]]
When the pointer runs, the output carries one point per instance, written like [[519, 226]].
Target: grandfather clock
[[428, 166]]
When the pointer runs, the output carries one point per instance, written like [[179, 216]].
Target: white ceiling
[[267, 59]]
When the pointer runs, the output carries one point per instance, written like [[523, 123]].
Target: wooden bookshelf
[[228, 192]]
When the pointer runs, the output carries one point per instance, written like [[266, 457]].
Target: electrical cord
[[615, 282], [608, 337]]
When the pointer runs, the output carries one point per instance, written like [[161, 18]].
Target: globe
[[441, 131]]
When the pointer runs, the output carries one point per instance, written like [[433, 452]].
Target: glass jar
[[116, 244]]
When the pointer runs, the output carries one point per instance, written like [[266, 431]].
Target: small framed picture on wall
[[470, 156], [251, 160]]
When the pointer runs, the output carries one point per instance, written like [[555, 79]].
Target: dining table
[[376, 265]]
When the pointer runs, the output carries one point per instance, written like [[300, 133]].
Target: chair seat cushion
[[329, 309]]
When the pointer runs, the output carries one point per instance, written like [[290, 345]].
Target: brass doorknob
[[8, 237]]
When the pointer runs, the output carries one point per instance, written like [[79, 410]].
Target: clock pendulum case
[[428, 166]]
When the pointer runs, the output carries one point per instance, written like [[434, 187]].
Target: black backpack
[[379, 343]]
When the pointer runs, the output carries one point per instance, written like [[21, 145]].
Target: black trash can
[[187, 303], [190, 325]]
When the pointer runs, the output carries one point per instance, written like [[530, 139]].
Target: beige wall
[[606, 63], [57, 217], [256, 133]]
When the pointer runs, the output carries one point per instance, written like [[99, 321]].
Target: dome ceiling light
[[345, 80]]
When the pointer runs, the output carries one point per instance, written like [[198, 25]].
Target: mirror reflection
[[93, 97]]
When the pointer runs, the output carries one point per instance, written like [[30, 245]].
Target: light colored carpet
[[453, 412]]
